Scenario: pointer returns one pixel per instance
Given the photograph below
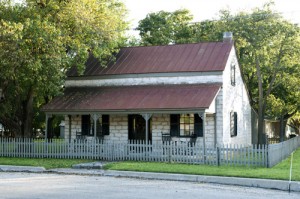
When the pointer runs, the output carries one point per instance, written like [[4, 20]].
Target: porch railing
[[167, 151]]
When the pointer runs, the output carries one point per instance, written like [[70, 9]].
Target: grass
[[280, 171], [47, 163]]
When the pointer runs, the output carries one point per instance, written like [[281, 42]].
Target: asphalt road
[[35, 186]]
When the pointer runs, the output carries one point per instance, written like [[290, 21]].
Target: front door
[[137, 128]]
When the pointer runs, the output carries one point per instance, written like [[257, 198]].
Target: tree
[[268, 50], [40, 40], [163, 28]]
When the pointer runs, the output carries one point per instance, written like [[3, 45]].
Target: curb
[[247, 182], [7, 168]]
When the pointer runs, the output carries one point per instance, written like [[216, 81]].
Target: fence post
[[267, 155], [169, 144], [218, 156]]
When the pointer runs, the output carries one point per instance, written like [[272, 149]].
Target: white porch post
[[203, 117], [70, 127], [46, 127], [147, 116], [95, 118]]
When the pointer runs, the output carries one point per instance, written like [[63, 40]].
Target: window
[[87, 125], [102, 125], [186, 125], [232, 74], [198, 125], [174, 124], [233, 124], [105, 124]]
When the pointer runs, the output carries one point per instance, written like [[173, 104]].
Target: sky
[[207, 9]]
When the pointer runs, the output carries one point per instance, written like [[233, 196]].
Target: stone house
[[183, 92]]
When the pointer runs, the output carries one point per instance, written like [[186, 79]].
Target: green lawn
[[47, 163], [280, 171]]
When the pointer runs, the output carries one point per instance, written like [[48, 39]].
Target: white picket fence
[[177, 152], [280, 151]]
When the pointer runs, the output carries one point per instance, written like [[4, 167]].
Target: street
[[35, 186]]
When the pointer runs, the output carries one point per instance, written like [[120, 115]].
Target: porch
[[148, 112], [177, 127]]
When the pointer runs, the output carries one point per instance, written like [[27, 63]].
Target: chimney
[[227, 37]]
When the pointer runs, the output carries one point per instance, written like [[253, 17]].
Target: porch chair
[[166, 137]]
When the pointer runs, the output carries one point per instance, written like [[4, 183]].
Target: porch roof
[[152, 98]]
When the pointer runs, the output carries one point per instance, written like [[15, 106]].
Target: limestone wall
[[235, 98], [160, 123]]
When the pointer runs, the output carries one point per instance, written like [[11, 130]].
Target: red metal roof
[[134, 98], [197, 57]]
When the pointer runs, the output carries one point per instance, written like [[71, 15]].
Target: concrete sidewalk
[[95, 168]]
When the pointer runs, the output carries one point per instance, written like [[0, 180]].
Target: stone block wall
[[118, 128], [160, 124], [75, 126], [210, 131]]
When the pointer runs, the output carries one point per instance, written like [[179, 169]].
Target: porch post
[[203, 117], [147, 116], [95, 118], [46, 127], [70, 126]]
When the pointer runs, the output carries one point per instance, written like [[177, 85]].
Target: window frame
[[186, 124], [178, 120], [233, 74]]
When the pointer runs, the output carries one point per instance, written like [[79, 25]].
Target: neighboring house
[[177, 92], [272, 129]]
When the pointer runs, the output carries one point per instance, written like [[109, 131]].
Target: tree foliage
[[163, 28], [268, 50], [40, 40]]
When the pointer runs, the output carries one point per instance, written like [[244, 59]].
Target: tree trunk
[[261, 107], [282, 128], [261, 127], [28, 114]]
